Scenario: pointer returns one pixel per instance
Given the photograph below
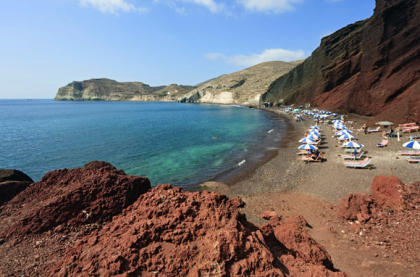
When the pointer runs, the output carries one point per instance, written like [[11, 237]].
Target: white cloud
[[275, 6], [267, 55], [112, 6], [212, 5]]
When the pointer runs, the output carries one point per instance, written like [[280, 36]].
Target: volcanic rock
[[388, 194], [171, 232], [371, 67], [93, 193], [11, 183], [356, 207]]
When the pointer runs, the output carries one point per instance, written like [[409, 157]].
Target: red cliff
[[371, 67]]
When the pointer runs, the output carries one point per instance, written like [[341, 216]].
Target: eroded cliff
[[110, 90], [243, 87], [371, 67]]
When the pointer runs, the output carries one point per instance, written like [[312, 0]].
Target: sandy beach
[[288, 186]]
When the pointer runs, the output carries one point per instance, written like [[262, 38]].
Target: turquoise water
[[175, 143]]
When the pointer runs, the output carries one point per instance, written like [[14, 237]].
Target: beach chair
[[362, 164], [373, 130], [414, 160], [351, 150], [410, 129], [409, 153], [383, 143], [407, 125], [352, 157]]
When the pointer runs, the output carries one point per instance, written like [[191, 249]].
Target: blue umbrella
[[414, 144], [314, 127], [315, 132], [307, 147], [352, 144], [313, 137], [346, 136], [307, 141], [343, 132]]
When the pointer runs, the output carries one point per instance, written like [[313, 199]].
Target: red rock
[[171, 232], [370, 67], [72, 197], [387, 192], [269, 214], [12, 182], [355, 207]]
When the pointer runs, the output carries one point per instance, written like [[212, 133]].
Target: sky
[[46, 44]]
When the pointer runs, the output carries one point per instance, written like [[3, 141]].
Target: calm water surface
[[173, 143]]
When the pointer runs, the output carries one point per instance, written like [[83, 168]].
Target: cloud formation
[[212, 5], [271, 6], [112, 6], [277, 54]]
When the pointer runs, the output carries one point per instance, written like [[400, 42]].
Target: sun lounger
[[361, 164], [410, 129], [351, 150], [407, 125], [373, 130], [352, 157], [409, 153], [413, 137], [383, 143], [414, 160], [308, 159]]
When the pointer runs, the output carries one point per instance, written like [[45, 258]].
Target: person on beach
[[365, 128], [355, 153]]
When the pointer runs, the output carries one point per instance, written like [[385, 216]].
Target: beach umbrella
[[307, 147], [307, 141], [414, 144], [352, 144], [346, 136], [314, 131], [384, 123], [343, 132], [313, 137], [314, 127]]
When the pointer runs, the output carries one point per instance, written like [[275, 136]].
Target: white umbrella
[[307, 147], [352, 144], [414, 144], [346, 136], [313, 137], [307, 141]]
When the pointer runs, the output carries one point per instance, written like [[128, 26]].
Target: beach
[[288, 186]]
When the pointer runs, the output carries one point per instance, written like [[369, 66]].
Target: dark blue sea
[[181, 144]]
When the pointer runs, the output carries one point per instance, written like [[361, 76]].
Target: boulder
[[356, 207], [387, 192], [91, 194], [172, 232], [12, 182]]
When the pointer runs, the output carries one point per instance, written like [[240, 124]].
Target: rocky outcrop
[[371, 67], [243, 88], [71, 197], [11, 183], [110, 90], [171, 232], [387, 194]]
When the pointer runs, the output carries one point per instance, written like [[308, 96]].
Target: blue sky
[[48, 43]]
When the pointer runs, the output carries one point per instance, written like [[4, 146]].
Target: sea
[[176, 143]]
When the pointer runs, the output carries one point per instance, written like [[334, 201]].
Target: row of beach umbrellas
[[309, 142]]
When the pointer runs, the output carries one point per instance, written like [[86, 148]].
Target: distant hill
[[371, 67], [110, 90], [243, 87]]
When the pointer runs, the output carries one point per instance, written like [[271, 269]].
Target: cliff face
[[244, 87], [371, 67], [110, 90]]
